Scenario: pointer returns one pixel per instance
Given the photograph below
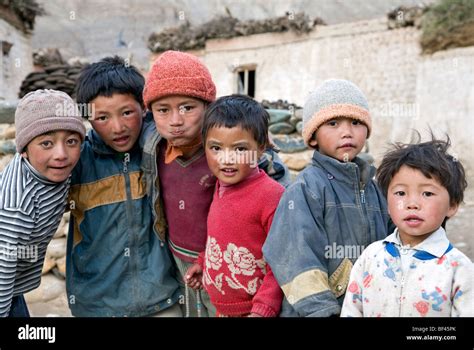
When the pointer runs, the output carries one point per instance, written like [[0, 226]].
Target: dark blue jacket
[[117, 264]]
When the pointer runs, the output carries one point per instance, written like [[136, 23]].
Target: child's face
[[232, 153], [118, 120], [340, 138], [178, 118], [54, 154], [417, 205]]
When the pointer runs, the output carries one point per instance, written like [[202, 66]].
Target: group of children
[[180, 206]]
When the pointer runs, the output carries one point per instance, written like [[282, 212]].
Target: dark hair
[[109, 76], [432, 159], [238, 110]]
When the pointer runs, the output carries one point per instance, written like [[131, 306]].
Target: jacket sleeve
[[295, 251], [12, 223], [462, 290], [272, 164], [267, 300], [148, 128], [353, 306]]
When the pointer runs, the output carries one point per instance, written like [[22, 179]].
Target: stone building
[[16, 24]]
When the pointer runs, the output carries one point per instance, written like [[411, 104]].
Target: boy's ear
[[312, 142], [453, 209]]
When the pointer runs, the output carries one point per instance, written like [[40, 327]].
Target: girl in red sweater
[[232, 269]]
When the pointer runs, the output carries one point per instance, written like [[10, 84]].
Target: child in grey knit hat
[[332, 210], [33, 191]]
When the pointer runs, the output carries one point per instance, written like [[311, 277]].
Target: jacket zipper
[[366, 216], [362, 196], [155, 192], [132, 235]]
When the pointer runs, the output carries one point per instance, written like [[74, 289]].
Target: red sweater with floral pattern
[[235, 275]]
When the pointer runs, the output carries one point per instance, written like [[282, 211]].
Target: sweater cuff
[[263, 310], [200, 259]]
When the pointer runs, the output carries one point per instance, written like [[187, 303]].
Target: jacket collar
[[435, 246], [344, 171], [38, 176]]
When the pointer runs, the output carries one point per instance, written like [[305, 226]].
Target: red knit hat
[[178, 73]]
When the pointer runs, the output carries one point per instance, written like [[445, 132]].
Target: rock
[[4, 126], [51, 79], [278, 115], [280, 104], [293, 121], [7, 112], [40, 84], [57, 307], [56, 248], [56, 67], [5, 160], [50, 288], [57, 274], [290, 145], [47, 57], [63, 226], [297, 161], [281, 128], [57, 76], [8, 133], [62, 229], [48, 265], [61, 266], [299, 127], [35, 76], [298, 114], [67, 216], [7, 147]]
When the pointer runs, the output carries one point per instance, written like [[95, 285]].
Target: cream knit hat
[[334, 98]]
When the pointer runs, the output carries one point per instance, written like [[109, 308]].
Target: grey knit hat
[[334, 98], [42, 111]]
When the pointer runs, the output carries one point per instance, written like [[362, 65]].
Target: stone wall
[[15, 65]]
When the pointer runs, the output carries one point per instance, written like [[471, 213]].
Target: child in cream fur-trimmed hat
[[333, 203]]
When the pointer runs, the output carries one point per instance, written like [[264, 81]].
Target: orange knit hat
[[178, 73]]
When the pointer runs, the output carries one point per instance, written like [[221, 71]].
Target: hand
[[193, 277]]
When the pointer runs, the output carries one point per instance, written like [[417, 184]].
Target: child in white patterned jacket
[[415, 271]]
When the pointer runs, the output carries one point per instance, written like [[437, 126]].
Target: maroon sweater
[[186, 189], [235, 275]]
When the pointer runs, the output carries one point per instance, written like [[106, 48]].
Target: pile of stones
[[60, 77]]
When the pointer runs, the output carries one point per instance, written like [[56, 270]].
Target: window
[[246, 80]]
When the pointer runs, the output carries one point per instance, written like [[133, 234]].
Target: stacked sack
[[60, 77]]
